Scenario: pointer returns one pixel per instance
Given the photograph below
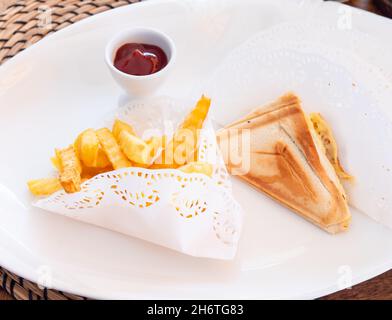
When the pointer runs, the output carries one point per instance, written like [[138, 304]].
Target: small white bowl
[[139, 86]]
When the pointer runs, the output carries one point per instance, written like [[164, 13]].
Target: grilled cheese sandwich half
[[288, 162]]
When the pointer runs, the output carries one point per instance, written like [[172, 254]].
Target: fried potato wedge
[[182, 148], [71, 169], [44, 187], [160, 166], [89, 146], [119, 126], [56, 162], [98, 151], [102, 160], [197, 167], [135, 148], [112, 149], [326, 136], [196, 117], [89, 150], [88, 172], [156, 145], [156, 142]]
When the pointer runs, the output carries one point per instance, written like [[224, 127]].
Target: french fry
[[95, 152], [159, 166], [197, 167], [182, 148], [155, 142], [56, 162], [88, 172], [44, 187], [71, 169], [89, 146], [136, 149], [119, 126], [196, 117], [102, 160], [156, 145], [77, 144], [89, 150], [112, 149]]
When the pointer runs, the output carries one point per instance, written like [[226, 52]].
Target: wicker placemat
[[23, 23]]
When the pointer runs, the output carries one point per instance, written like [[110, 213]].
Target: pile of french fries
[[98, 151]]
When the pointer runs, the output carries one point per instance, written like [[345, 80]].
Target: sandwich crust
[[287, 162]]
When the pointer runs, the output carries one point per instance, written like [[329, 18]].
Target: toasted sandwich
[[286, 159]]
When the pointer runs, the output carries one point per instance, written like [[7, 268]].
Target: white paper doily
[[190, 213]]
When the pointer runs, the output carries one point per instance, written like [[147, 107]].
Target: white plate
[[48, 94]]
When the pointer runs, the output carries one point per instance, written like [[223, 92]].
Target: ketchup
[[140, 59]]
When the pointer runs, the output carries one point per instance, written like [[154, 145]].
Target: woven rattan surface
[[25, 22], [22, 23]]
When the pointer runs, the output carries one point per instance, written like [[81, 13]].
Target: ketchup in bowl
[[140, 59]]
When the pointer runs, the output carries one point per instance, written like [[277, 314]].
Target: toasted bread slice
[[286, 161]]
